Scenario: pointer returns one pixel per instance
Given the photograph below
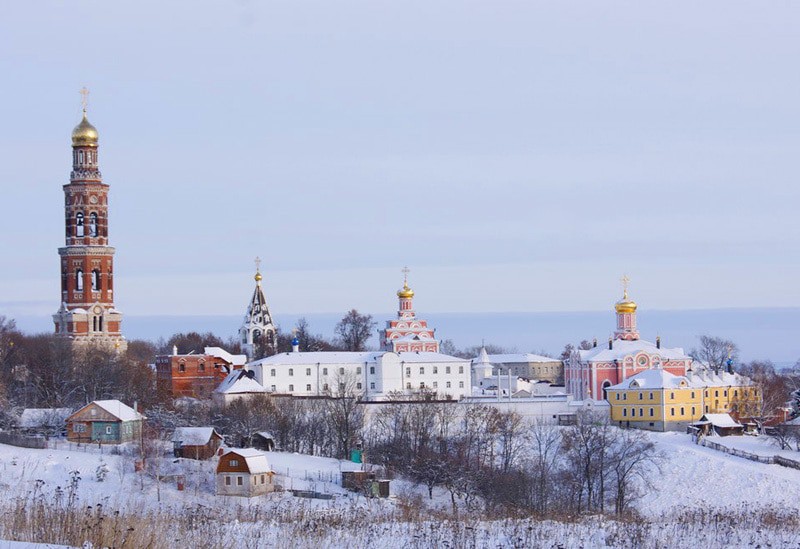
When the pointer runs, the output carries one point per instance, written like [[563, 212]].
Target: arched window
[[92, 224], [79, 280], [256, 336], [96, 280], [79, 224], [606, 385]]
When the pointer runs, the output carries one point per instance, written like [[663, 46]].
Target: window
[[672, 396], [725, 392], [641, 396], [324, 386], [94, 411], [435, 384], [624, 412], [682, 410], [422, 385], [234, 463], [358, 385], [201, 367], [79, 280], [341, 371], [651, 396], [308, 371], [408, 371], [641, 412], [692, 394], [272, 373], [408, 386], [341, 387], [461, 384], [735, 393], [308, 387], [460, 369], [272, 388], [227, 480], [239, 481], [706, 408], [263, 480], [291, 371], [358, 370], [108, 429], [182, 367], [421, 370], [624, 396], [716, 393], [617, 396], [96, 280], [291, 388], [372, 369], [324, 371], [435, 370], [372, 385], [692, 410], [652, 413], [79, 224], [79, 428], [92, 224], [447, 369]]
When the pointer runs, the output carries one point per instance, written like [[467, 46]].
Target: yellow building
[[658, 400]]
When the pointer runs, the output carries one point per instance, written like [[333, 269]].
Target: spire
[[258, 333], [258, 278], [626, 314]]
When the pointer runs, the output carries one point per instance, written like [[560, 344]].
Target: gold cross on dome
[[84, 98], [625, 281], [405, 271], [258, 264]]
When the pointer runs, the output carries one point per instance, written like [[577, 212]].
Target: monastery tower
[[258, 334], [87, 313], [408, 333]]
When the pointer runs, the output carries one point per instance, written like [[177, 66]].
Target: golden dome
[[84, 134], [625, 305], [405, 292], [258, 277]]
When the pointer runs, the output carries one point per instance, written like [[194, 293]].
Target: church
[[87, 314], [407, 333]]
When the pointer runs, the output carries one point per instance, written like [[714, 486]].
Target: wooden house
[[244, 472], [196, 442], [720, 424], [43, 421], [105, 422], [263, 440]]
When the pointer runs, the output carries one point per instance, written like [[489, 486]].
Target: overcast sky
[[517, 156]]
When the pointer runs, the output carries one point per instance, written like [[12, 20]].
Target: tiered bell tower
[[626, 315], [407, 333], [87, 313]]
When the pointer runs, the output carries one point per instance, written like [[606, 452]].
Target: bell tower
[[626, 315], [87, 313]]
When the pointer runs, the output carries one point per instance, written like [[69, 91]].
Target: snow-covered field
[[691, 479]]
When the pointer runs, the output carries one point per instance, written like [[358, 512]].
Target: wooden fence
[[779, 460]]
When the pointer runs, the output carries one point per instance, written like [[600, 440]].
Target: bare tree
[[544, 458], [715, 351], [354, 330], [632, 456], [344, 414], [511, 432]]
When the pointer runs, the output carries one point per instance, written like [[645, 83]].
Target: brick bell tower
[[87, 313]]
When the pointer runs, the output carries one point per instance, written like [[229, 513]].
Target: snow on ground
[[693, 476], [760, 445]]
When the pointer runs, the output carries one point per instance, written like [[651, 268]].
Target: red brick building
[[194, 375], [87, 313]]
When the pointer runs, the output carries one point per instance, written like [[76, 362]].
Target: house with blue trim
[[105, 422]]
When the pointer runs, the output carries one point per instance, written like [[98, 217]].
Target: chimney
[[658, 342], [610, 343], [174, 350], [594, 343], [135, 406]]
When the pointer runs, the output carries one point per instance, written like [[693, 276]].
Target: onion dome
[[258, 277], [295, 341], [405, 292], [625, 305], [84, 134]]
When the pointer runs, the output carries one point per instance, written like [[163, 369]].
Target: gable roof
[[655, 378], [43, 417], [194, 436], [621, 349], [219, 352], [513, 358], [114, 407], [720, 420], [256, 461], [239, 381]]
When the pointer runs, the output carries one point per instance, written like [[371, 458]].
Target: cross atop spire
[[84, 98], [258, 264], [625, 281], [405, 271]]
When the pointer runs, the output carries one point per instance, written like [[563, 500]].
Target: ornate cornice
[[85, 250]]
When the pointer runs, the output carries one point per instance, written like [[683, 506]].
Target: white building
[[373, 374]]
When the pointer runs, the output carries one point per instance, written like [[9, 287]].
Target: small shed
[[357, 481], [43, 421], [263, 440], [244, 472], [195, 442], [720, 424], [105, 422]]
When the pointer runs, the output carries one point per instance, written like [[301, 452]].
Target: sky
[[515, 155]]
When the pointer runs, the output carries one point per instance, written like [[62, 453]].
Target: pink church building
[[588, 373], [407, 333]]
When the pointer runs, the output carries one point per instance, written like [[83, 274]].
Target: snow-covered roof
[[193, 436], [350, 357], [239, 382], [510, 358], [653, 379], [256, 461], [721, 420], [43, 417], [219, 352], [265, 434], [119, 410], [621, 349], [795, 421]]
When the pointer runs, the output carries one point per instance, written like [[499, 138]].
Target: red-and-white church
[[407, 333], [588, 373], [87, 313]]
